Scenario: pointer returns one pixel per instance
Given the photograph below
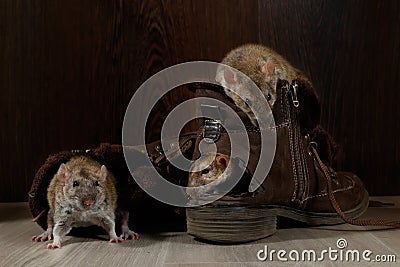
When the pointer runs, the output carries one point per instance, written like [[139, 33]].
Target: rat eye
[[96, 183], [248, 102], [205, 171], [269, 97], [75, 183]]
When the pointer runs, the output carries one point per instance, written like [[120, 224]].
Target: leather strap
[[185, 143]]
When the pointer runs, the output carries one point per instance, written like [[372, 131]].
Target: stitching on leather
[[323, 194], [290, 136], [284, 124], [307, 176]]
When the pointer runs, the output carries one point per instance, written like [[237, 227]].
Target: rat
[[203, 173], [263, 66], [217, 168], [83, 193]]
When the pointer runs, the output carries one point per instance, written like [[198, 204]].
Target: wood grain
[[68, 71], [172, 249], [348, 48]]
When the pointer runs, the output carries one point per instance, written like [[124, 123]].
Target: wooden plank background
[[69, 69]]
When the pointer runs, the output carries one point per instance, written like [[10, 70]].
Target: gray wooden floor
[[180, 249]]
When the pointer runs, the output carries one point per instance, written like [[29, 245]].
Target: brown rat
[[211, 168], [203, 173], [264, 67], [220, 170], [82, 193]]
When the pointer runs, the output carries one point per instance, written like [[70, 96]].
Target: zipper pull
[[295, 101]]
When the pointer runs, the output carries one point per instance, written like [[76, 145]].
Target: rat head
[[263, 66], [203, 173], [83, 188], [241, 91]]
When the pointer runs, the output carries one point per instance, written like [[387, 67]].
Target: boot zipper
[[300, 171], [295, 101]]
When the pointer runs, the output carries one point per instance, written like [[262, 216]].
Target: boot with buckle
[[300, 185]]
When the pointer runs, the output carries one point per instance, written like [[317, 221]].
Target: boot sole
[[239, 224]]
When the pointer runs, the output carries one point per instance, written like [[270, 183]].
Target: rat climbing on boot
[[264, 67]]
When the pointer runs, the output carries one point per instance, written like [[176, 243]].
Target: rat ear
[[222, 161], [63, 173], [268, 68], [103, 173], [230, 76]]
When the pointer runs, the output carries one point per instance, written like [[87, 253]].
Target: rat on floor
[[83, 193]]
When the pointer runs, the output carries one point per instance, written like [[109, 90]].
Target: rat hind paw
[[128, 234], [42, 237]]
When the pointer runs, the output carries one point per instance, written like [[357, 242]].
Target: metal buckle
[[212, 131], [212, 127]]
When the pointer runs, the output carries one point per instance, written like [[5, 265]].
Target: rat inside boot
[[131, 197], [296, 186]]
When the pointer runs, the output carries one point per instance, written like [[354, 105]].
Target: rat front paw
[[43, 237], [115, 240], [128, 234], [53, 246]]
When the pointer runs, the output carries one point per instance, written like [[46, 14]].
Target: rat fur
[[264, 67], [203, 173], [82, 193]]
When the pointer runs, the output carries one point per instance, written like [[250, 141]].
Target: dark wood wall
[[69, 68]]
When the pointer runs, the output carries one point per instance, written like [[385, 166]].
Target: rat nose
[[88, 202]]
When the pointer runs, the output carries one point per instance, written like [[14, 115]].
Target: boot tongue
[[217, 92]]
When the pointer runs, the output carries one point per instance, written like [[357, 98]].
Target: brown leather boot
[[131, 197], [299, 186]]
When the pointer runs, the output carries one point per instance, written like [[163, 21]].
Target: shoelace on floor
[[335, 204]]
